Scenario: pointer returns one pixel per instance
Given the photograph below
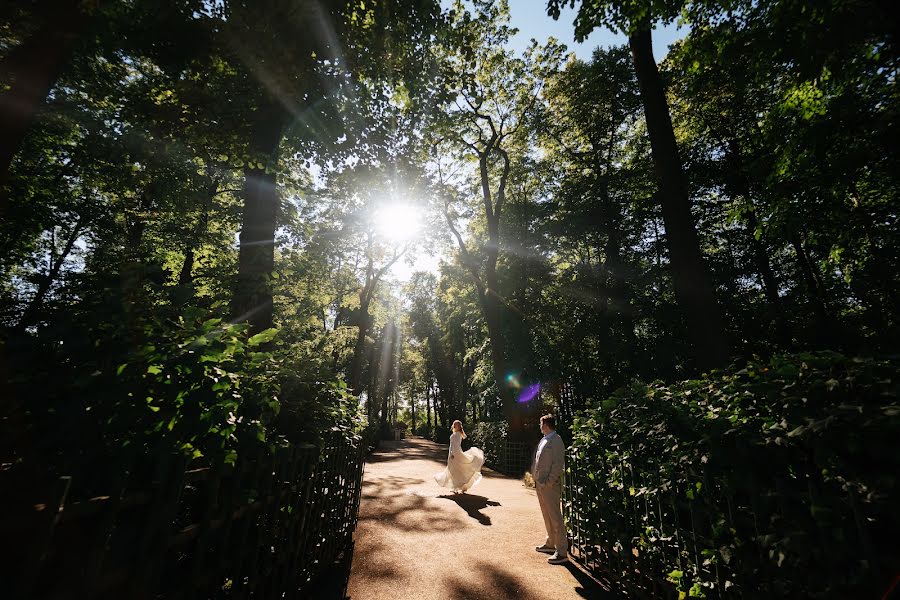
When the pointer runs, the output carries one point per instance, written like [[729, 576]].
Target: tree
[[30, 69], [495, 92], [693, 284], [592, 111]]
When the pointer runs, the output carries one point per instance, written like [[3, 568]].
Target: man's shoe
[[558, 559], [546, 549]]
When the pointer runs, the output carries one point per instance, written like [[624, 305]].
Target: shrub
[[491, 437], [777, 480], [108, 394]]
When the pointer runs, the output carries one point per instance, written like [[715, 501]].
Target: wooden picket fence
[[267, 527]]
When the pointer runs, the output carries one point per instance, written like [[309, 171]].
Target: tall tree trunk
[[615, 302], [763, 265], [372, 384], [366, 293], [620, 299], [428, 402], [186, 276], [386, 367], [356, 363], [412, 409], [741, 187], [436, 398], [490, 306], [252, 299], [55, 265], [29, 72], [691, 279], [813, 284]]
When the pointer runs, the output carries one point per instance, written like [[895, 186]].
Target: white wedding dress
[[463, 471]]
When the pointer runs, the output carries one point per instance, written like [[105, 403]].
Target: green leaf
[[263, 337]]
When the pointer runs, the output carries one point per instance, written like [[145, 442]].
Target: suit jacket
[[548, 468]]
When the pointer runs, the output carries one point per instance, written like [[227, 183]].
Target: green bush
[[89, 396], [491, 437], [440, 434], [777, 480]]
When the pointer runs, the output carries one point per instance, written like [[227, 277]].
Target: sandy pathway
[[418, 541]]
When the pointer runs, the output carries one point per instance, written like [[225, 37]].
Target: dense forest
[[210, 214]]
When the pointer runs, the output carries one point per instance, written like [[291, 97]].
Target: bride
[[463, 470]]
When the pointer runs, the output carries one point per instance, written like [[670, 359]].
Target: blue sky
[[530, 18]]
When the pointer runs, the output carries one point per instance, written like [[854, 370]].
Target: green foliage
[[199, 383], [618, 15], [779, 479], [85, 392], [491, 437], [118, 256]]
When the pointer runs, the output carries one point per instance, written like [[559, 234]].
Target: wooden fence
[[268, 527]]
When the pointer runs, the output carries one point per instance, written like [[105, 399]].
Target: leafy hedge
[[436, 433], [500, 453], [778, 480], [491, 437], [191, 382]]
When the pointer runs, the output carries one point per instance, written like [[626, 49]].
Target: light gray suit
[[549, 463]]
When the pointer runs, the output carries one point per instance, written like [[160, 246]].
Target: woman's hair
[[461, 430]]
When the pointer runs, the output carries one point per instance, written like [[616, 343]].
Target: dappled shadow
[[374, 561], [408, 449], [589, 587], [388, 504], [387, 486], [488, 582], [472, 505]]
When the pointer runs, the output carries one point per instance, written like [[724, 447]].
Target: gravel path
[[419, 541]]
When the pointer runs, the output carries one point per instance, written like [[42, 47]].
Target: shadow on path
[[489, 582], [472, 505], [408, 533], [589, 587], [408, 449]]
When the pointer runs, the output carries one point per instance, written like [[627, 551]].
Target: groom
[[549, 461]]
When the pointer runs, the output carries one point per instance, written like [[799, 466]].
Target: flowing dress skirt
[[463, 471]]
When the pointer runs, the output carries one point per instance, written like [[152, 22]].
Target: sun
[[398, 222]]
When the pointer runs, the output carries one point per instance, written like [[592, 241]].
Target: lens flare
[[529, 393]]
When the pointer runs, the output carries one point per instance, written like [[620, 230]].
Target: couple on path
[[463, 472]]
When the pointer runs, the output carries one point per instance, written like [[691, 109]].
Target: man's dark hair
[[549, 421]]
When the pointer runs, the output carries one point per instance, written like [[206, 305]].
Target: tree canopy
[[237, 224]]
